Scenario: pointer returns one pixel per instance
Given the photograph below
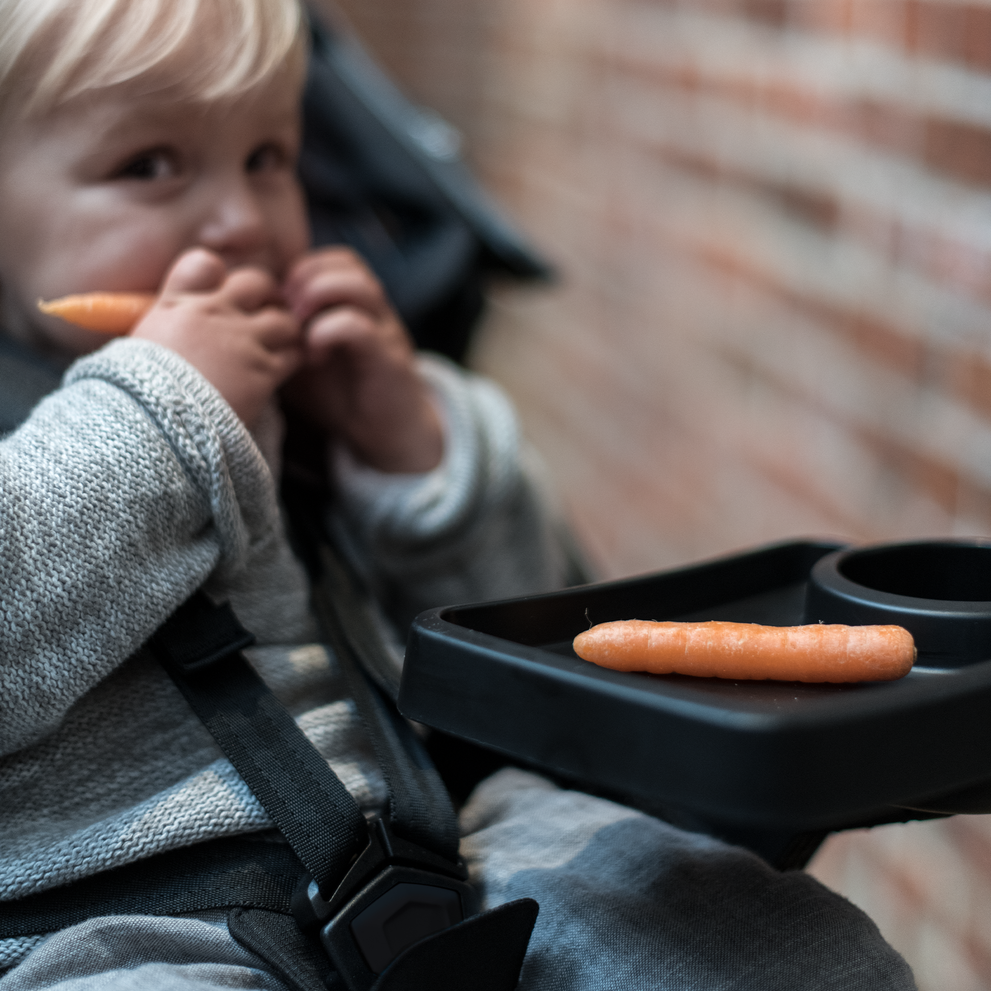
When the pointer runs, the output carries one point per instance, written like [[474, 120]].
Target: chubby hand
[[232, 327], [359, 380]]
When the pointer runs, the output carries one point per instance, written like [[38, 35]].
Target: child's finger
[[344, 326], [249, 289], [327, 287], [345, 294], [276, 328], [333, 289], [285, 362], [335, 258], [196, 270]]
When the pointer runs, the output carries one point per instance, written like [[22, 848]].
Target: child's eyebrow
[[145, 126], [160, 115], [137, 126]]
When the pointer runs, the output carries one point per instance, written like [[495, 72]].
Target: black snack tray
[[764, 754]]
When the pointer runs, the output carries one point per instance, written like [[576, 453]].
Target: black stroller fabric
[[384, 177]]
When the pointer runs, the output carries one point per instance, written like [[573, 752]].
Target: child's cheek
[[129, 260]]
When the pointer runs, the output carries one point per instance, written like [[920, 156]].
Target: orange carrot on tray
[[749, 651], [112, 313]]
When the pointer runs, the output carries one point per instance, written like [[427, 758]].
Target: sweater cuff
[[480, 446]]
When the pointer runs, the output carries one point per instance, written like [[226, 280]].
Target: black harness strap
[[420, 808], [347, 614], [294, 784], [218, 874]]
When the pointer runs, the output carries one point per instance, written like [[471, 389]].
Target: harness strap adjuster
[[394, 895]]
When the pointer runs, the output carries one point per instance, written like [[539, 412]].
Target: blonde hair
[[54, 50]]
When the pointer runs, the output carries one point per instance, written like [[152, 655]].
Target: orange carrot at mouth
[[751, 652], [111, 313]]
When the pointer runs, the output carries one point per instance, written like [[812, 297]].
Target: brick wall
[[928, 887], [773, 223]]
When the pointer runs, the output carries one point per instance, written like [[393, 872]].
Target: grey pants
[[626, 902]]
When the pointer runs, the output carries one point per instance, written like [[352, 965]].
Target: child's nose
[[235, 226]]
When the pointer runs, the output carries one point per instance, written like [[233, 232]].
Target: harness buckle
[[395, 894]]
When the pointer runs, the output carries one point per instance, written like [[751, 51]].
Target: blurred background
[[772, 222]]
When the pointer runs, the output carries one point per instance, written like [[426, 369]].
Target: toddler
[[150, 145]]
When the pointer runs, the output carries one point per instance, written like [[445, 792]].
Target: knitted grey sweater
[[124, 491]]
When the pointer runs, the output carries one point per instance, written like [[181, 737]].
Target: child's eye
[[266, 158], [149, 165]]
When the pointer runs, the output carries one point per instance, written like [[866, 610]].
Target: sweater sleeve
[[482, 525], [120, 495]]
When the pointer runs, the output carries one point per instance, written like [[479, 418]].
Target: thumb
[[196, 270]]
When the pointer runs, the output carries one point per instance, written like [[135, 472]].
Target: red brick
[[887, 344], [974, 503], [912, 16], [887, 125], [885, 21], [968, 377], [971, 838], [831, 16], [819, 209], [791, 479], [770, 12], [977, 52], [797, 103], [938, 30], [922, 471], [960, 150], [882, 342]]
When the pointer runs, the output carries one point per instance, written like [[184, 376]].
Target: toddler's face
[[106, 192]]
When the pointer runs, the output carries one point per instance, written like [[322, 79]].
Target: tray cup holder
[[940, 591]]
